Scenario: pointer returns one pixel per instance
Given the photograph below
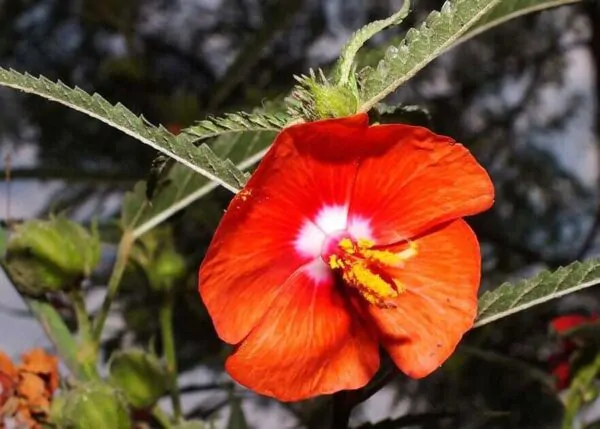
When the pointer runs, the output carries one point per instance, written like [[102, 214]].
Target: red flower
[[568, 322], [346, 237], [560, 363]]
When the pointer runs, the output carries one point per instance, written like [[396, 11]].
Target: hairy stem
[[87, 353], [113, 285], [84, 326], [168, 343], [62, 339]]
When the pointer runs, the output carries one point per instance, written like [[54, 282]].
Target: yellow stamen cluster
[[357, 262]]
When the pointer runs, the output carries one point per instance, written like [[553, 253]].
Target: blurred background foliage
[[524, 97]]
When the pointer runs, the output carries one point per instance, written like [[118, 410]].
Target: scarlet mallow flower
[[560, 363], [347, 237], [567, 322]]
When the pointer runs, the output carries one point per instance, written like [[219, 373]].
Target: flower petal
[[419, 180], [308, 344], [269, 229], [248, 261], [439, 304], [568, 322]]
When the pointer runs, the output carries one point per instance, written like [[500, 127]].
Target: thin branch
[[113, 285], [168, 344]]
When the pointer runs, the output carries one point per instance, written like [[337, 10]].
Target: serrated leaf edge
[[425, 30], [510, 16], [515, 308], [238, 122], [181, 204], [45, 88]]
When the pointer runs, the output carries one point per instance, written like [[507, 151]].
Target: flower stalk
[[113, 285], [168, 343]]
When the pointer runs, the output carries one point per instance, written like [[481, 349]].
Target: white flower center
[[312, 236]]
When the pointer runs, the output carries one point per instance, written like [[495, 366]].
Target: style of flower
[[27, 388], [346, 237], [560, 363]]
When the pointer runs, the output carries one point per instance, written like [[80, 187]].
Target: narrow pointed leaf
[[507, 10], [236, 123], [501, 13], [581, 391], [359, 38], [509, 298], [181, 148], [421, 46]]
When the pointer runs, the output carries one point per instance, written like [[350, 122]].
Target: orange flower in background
[[27, 388], [8, 382], [347, 237]]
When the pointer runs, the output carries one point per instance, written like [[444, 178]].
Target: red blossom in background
[[560, 363], [347, 237]]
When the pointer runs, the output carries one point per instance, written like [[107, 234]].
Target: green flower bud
[[156, 255], [168, 267], [95, 405], [316, 98], [140, 375], [334, 101], [47, 256]]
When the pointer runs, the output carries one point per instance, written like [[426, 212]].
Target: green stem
[[63, 340], [113, 285], [161, 417], [168, 343], [580, 391], [84, 326], [87, 351]]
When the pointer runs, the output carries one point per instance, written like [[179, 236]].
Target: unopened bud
[[140, 375], [94, 405], [50, 255]]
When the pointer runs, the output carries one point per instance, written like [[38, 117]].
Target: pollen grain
[[363, 268]]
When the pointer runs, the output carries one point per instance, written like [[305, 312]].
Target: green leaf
[[581, 391], [238, 122], [345, 63], [181, 148], [182, 186], [509, 298], [507, 10], [138, 214], [503, 12], [420, 46]]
